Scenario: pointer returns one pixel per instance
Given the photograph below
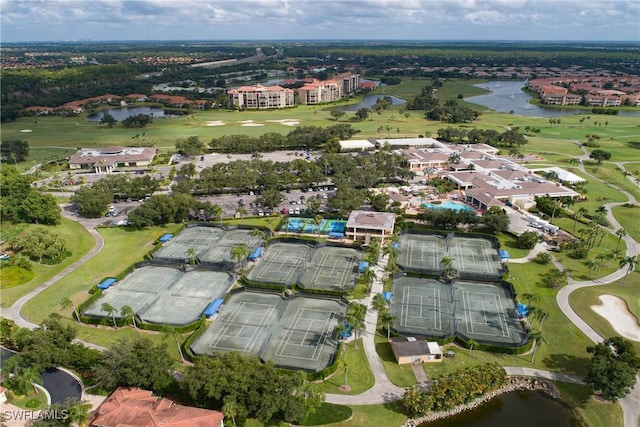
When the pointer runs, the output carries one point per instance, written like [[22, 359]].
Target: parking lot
[[295, 201]]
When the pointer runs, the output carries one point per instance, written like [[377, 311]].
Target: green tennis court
[[282, 263], [484, 312], [472, 258], [212, 244], [164, 295], [295, 333], [332, 268]]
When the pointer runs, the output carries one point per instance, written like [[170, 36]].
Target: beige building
[[106, 160], [411, 350], [260, 97], [316, 92], [364, 224]]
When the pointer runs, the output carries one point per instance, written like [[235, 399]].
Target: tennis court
[[473, 258], [333, 268], [243, 325], [296, 333], [309, 226], [422, 306], [221, 249], [305, 338], [484, 312], [281, 263], [420, 251], [164, 295], [212, 244]]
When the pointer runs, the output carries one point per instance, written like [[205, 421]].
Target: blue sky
[[57, 20]]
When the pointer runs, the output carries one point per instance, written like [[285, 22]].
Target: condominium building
[[316, 92], [260, 97]]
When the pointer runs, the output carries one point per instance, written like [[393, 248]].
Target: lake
[[368, 102], [122, 113], [507, 96], [518, 408]]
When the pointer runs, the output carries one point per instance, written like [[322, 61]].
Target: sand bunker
[[245, 121], [615, 311], [286, 122], [253, 124], [215, 123], [26, 130]]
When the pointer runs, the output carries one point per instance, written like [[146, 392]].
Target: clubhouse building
[[106, 160]]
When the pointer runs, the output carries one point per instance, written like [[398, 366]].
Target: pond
[[122, 113], [519, 408], [507, 96], [368, 102]]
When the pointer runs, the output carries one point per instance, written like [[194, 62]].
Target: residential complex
[[591, 91], [260, 97]]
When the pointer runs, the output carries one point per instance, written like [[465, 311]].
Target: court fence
[[461, 274], [458, 336]]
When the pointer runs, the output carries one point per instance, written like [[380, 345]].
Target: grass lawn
[[582, 299], [508, 243], [77, 239], [328, 413], [359, 375], [389, 415], [270, 222], [576, 267], [628, 219], [30, 402], [607, 172], [122, 248], [400, 375], [596, 412]]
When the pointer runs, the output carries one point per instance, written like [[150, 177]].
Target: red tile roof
[[137, 407]]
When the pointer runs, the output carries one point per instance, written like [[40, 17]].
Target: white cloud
[[229, 19]]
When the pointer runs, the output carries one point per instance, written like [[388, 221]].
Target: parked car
[[284, 211], [241, 202], [290, 211]]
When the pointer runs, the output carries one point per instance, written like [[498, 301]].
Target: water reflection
[[122, 113], [507, 97]]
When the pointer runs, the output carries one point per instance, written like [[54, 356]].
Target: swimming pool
[[448, 204]]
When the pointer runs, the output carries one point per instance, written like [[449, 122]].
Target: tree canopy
[[258, 390], [23, 203], [613, 368]]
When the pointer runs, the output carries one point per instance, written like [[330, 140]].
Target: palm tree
[[357, 325], [171, 331], [127, 312], [111, 310], [65, 303], [239, 254], [343, 365], [581, 213], [216, 211], [191, 256], [454, 158], [24, 380], [379, 303], [537, 338], [259, 234], [317, 221], [591, 265], [387, 318], [230, 408], [369, 276], [602, 211], [240, 210], [621, 232], [79, 413], [631, 262]]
